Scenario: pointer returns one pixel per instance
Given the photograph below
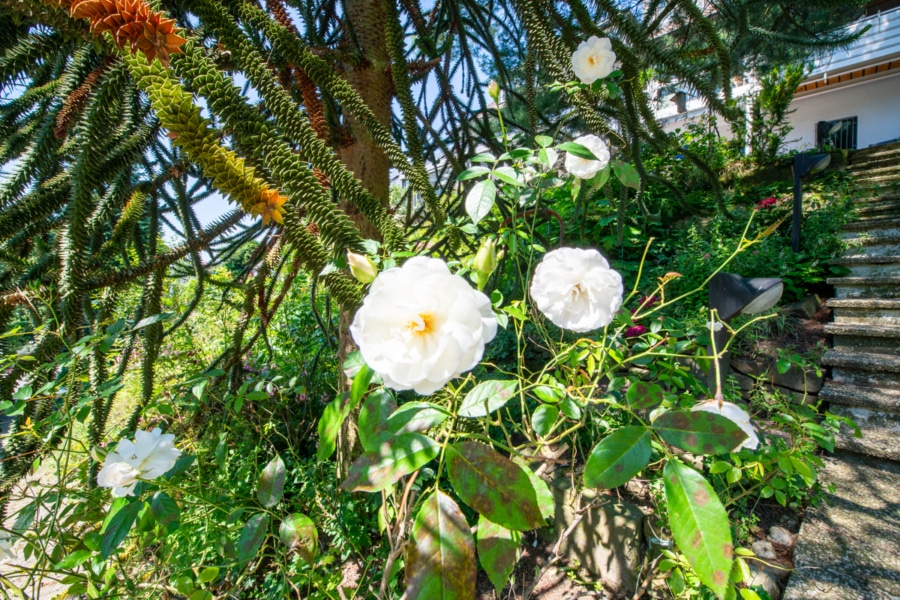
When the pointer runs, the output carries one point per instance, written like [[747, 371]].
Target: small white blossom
[[584, 168], [593, 60], [420, 326], [576, 289], [149, 456], [714, 326], [735, 414]]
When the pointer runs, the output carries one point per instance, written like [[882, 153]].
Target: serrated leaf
[[373, 417], [416, 416], [117, 526], [699, 525], [618, 457], [483, 157], [570, 408], [165, 511], [271, 483], [493, 485], [642, 395], [252, 536], [498, 551], [440, 558], [399, 456], [508, 175], [472, 172], [699, 432], [544, 418], [578, 150], [73, 560], [298, 532], [486, 397], [480, 200]]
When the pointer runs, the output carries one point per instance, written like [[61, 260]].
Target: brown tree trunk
[[371, 78]]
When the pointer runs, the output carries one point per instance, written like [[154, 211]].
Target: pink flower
[[767, 203], [635, 331]]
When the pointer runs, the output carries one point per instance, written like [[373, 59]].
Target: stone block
[[794, 379], [805, 308], [607, 542]]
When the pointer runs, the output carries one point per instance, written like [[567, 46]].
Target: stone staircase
[[850, 548]]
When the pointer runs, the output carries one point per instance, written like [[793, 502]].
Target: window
[[839, 134]]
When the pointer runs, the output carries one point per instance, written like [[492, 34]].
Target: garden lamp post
[[804, 164], [731, 295]]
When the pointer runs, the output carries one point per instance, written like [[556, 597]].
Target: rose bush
[[420, 326], [576, 289], [149, 456], [585, 168]]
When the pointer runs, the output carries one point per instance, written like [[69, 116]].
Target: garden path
[[849, 548]]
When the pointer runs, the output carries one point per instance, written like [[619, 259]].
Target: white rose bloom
[[735, 414], [576, 289], [420, 326], [584, 168], [593, 60], [714, 326], [150, 455]]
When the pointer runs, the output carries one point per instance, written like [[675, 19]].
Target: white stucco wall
[[875, 102]]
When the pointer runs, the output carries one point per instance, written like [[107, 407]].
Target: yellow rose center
[[592, 60], [421, 324]]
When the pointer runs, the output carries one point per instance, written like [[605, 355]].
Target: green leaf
[[271, 483], [543, 141], [165, 511], [483, 157], [493, 485], [472, 172], [480, 200], [543, 418], [618, 457], [699, 432], [627, 174], [543, 494], [181, 465], [416, 416], [373, 417], [570, 408], [487, 396], [360, 385], [208, 574], [498, 551], [353, 363], [548, 157], [508, 175], [440, 558], [151, 320], [116, 527], [577, 150], [330, 424], [699, 525], [399, 456], [73, 560], [252, 536], [642, 395], [298, 532]]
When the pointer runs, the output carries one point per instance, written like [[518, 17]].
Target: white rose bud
[[576, 289], [485, 262], [593, 60], [362, 267], [420, 326], [584, 168], [493, 90]]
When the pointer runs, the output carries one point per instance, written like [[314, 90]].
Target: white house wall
[[875, 102]]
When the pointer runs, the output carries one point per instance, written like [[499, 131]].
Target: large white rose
[[150, 455], [736, 415], [420, 326], [593, 60], [576, 289], [584, 168]]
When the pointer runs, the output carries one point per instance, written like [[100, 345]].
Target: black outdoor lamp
[[804, 164], [731, 295], [825, 130]]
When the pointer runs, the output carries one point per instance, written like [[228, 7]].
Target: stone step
[[865, 310], [877, 206], [880, 432], [882, 399], [870, 266], [876, 162], [866, 287], [881, 339], [863, 200], [856, 367], [890, 166], [864, 154], [847, 547], [881, 226], [872, 245]]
